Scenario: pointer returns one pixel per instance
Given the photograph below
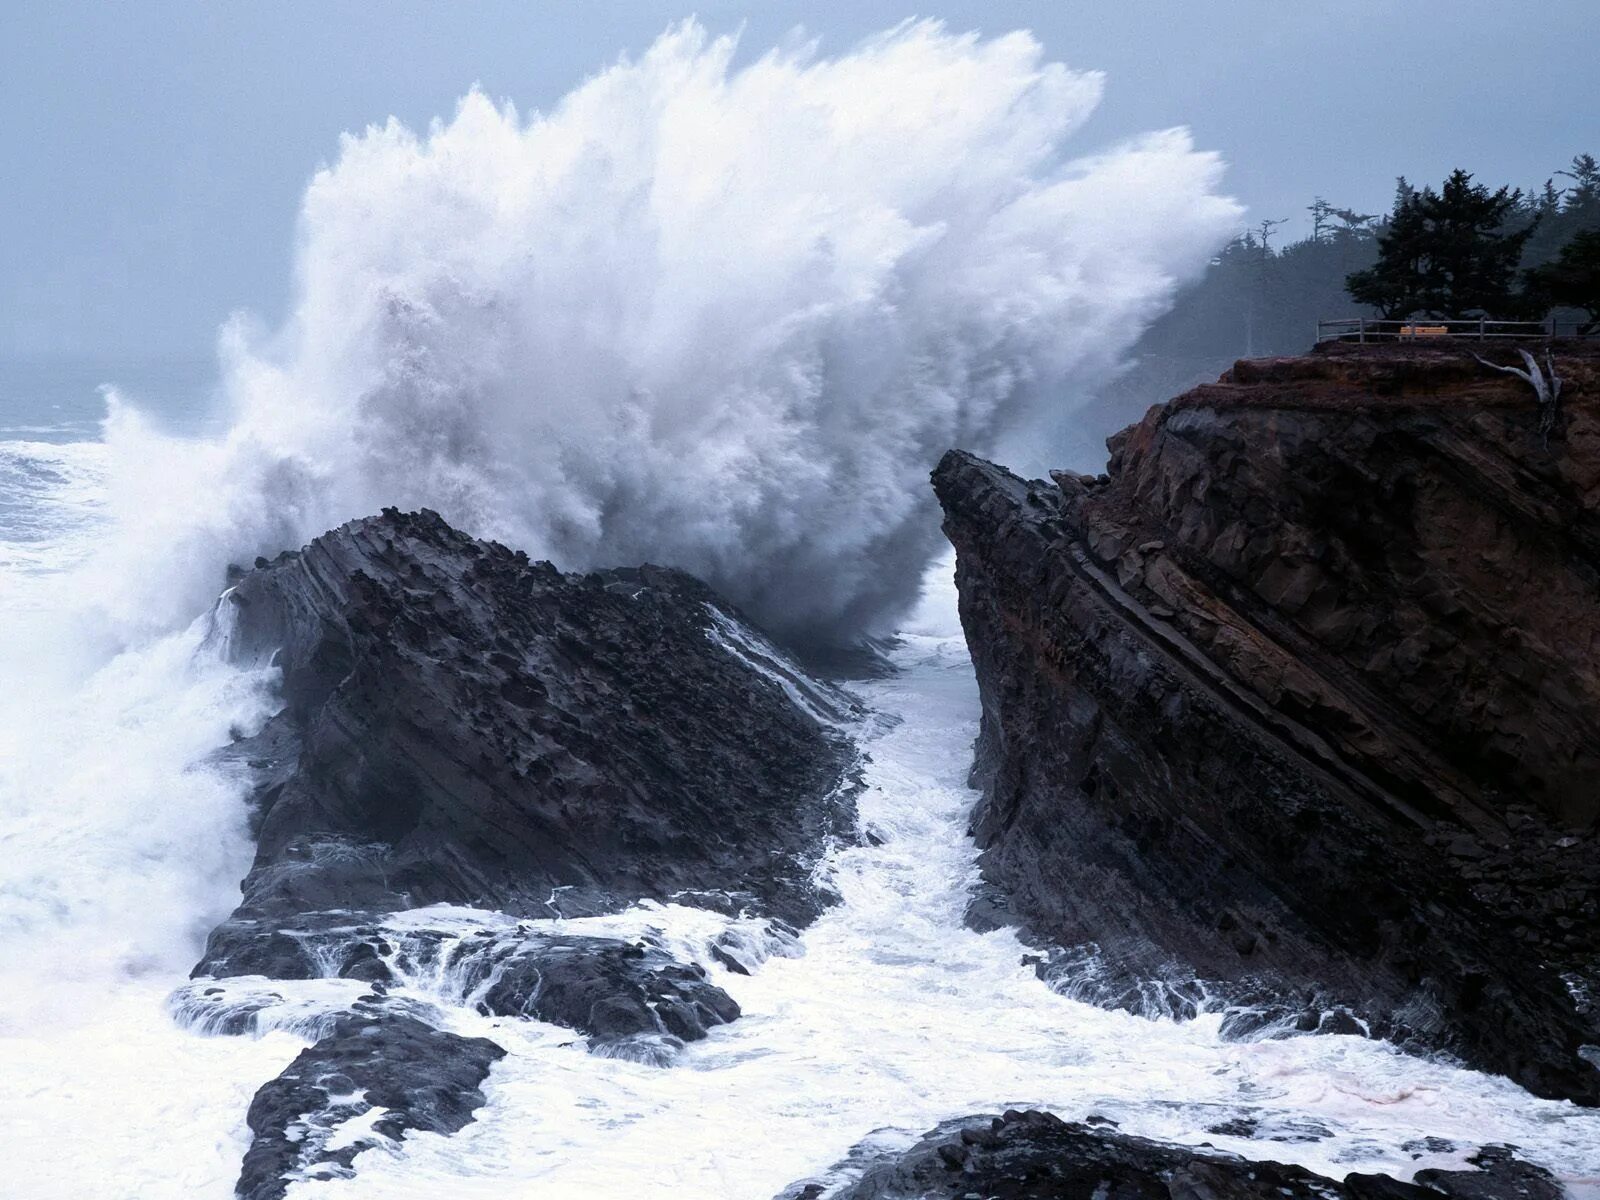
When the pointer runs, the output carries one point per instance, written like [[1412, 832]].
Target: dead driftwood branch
[[1546, 385]]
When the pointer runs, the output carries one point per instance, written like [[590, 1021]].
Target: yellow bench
[[1424, 331]]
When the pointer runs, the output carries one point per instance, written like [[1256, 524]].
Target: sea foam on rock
[[610, 988], [1294, 708], [372, 1079]]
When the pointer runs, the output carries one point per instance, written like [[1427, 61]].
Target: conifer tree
[[1572, 280], [1394, 285], [1450, 253]]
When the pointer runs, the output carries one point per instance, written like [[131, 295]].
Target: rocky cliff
[[1295, 709]]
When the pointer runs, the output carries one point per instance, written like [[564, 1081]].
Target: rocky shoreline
[[1032, 1155], [470, 733], [1286, 716]]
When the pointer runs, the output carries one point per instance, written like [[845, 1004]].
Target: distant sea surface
[[52, 460], [60, 400]]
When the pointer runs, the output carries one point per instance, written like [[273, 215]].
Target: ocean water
[[885, 1017], [99, 798], [603, 335]]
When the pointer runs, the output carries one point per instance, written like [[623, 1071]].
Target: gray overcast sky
[[152, 153]]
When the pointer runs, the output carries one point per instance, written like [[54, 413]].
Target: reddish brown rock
[[1304, 700]]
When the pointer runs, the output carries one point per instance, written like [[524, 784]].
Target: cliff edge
[[1295, 710]]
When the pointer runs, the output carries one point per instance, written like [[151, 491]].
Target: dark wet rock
[[607, 988], [1240, 1127], [463, 725], [1295, 708], [1272, 1129], [1417, 1147], [254, 946], [1036, 1156], [610, 990], [374, 1078], [1501, 1175]]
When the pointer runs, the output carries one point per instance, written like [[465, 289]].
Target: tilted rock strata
[[1302, 696], [465, 726]]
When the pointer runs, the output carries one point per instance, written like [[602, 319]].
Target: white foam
[[122, 1102], [725, 318], [119, 847], [256, 1005], [754, 651], [52, 506]]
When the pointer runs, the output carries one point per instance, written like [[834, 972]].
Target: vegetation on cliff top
[[1258, 299]]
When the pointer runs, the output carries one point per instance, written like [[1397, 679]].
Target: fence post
[[1363, 335], [1480, 328]]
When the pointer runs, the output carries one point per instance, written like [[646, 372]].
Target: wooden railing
[[1480, 329]]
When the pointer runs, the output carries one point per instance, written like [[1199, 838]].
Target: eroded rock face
[[465, 726], [1301, 700], [1037, 1156]]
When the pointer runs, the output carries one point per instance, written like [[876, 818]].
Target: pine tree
[[1474, 257], [1585, 174], [1572, 280], [1394, 285], [1450, 253]]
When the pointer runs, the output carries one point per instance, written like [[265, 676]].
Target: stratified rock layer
[[1037, 1156], [1303, 697], [465, 726]]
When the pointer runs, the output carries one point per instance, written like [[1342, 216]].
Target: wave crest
[[720, 317]]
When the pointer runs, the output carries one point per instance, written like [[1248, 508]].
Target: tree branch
[[1546, 385]]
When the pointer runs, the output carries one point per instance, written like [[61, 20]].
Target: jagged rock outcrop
[[1296, 707], [465, 726], [1037, 1156]]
